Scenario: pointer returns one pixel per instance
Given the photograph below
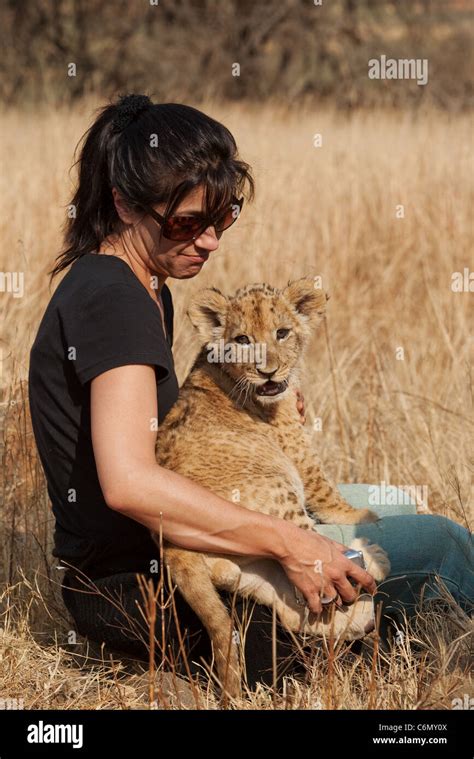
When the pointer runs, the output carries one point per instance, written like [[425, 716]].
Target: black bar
[[134, 734]]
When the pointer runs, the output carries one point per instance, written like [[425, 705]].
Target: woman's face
[[180, 260]]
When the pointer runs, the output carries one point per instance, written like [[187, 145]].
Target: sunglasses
[[182, 228]]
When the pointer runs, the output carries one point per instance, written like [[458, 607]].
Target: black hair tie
[[127, 110]]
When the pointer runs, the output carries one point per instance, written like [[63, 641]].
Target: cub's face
[[257, 336]]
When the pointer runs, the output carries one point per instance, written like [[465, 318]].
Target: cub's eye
[[282, 333], [242, 339]]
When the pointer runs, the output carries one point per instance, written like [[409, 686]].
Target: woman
[[158, 185]]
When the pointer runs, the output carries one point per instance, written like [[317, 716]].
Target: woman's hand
[[300, 405], [316, 565]]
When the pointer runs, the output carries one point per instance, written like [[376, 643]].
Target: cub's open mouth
[[271, 388]]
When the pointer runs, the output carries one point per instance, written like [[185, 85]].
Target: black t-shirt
[[99, 317]]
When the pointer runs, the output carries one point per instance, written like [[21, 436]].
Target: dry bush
[[426, 670], [326, 211], [188, 48]]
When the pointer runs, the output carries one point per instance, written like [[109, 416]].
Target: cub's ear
[[207, 313], [307, 301]]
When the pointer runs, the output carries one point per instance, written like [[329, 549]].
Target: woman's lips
[[197, 259]]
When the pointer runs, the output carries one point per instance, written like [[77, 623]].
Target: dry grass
[[328, 211]]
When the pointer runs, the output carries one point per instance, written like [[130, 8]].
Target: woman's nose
[[208, 239]]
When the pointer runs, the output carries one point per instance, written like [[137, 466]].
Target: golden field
[[390, 376]]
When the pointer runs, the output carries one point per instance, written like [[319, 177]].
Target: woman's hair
[[152, 153]]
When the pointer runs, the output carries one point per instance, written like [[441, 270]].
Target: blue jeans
[[422, 548]]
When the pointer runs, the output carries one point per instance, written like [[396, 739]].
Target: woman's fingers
[[330, 594], [353, 570], [314, 603], [337, 588], [339, 591], [361, 576], [347, 591], [321, 595], [317, 567]]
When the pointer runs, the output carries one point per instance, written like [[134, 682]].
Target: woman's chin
[[189, 275], [190, 269], [188, 272]]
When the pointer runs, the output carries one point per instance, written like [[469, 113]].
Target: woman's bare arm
[[123, 422]]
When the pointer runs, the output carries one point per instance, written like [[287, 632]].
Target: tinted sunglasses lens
[[182, 227], [229, 217]]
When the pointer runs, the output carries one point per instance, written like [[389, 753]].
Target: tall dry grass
[[399, 365]]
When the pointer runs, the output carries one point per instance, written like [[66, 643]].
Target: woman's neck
[[152, 281]]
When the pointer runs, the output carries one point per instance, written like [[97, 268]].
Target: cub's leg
[[322, 499], [191, 575]]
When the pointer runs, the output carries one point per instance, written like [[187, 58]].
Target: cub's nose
[[267, 374]]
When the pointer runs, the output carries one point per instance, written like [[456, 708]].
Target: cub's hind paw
[[376, 559]]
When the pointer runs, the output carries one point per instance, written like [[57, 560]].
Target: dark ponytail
[[152, 153]]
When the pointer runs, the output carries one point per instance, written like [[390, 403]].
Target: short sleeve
[[116, 325]]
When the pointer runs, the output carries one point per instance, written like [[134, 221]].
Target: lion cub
[[235, 429]]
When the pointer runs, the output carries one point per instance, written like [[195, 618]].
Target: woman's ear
[[121, 206], [207, 313]]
